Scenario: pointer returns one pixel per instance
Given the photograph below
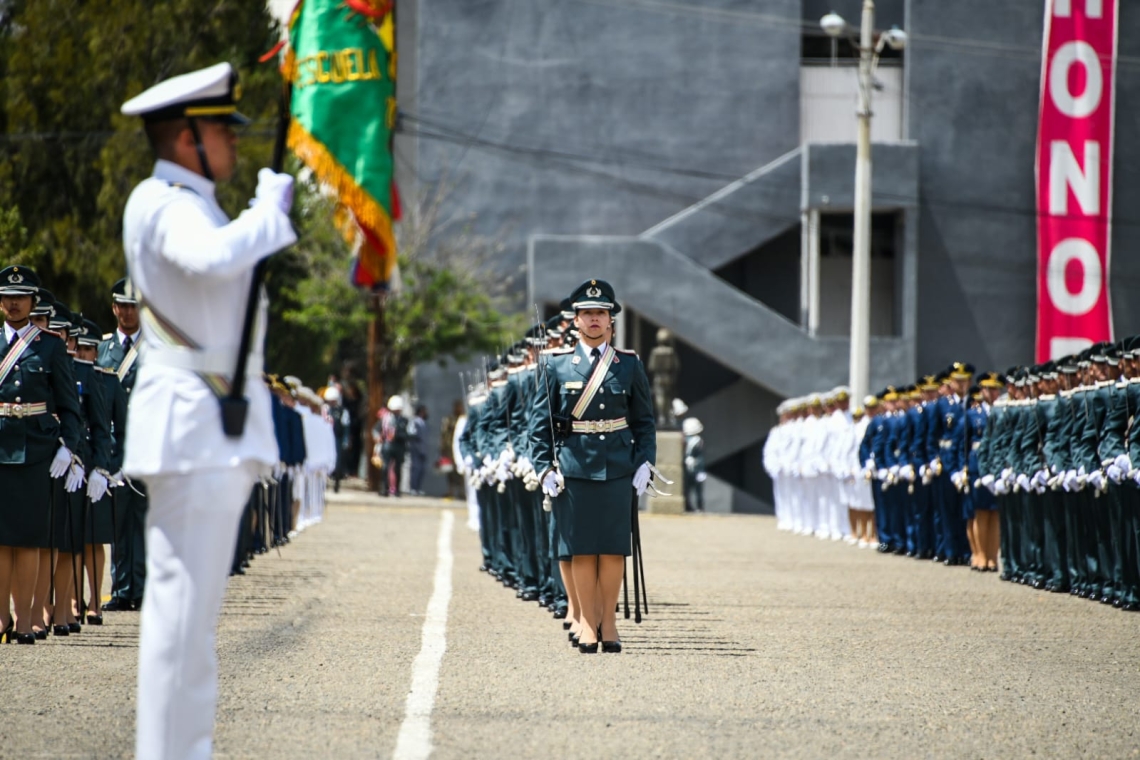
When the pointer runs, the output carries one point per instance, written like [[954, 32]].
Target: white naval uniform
[[194, 266], [770, 456]]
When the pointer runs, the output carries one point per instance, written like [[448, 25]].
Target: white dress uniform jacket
[[194, 265]]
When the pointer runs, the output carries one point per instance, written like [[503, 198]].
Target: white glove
[[61, 462], [503, 473], [1039, 480], [1114, 473], [552, 483], [907, 473], [1022, 481], [1070, 481], [690, 462], [701, 477], [936, 467], [641, 478], [96, 486], [882, 474], [1097, 480], [1000, 488], [74, 479], [116, 479], [894, 471], [1123, 463], [468, 463], [956, 479], [274, 188], [507, 455]]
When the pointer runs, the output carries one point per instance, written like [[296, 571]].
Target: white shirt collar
[[169, 171], [9, 330], [122, 336], [601, 349]]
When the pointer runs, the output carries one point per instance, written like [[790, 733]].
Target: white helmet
[[692, 426], [396, 403], [332, 394]]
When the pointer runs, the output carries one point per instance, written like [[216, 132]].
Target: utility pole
[[859, 371], [859, 377]]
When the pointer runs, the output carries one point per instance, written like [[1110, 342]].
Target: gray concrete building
[[700, 156]]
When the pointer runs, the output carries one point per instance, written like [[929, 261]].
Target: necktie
[[15, 337], [595, 354], [127, 343]]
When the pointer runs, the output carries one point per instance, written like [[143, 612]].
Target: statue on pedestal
[[664, 366]]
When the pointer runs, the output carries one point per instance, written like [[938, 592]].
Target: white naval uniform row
[[320, 460], [813, 463], [187, 259]]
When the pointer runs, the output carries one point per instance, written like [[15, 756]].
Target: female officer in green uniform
[[39, 408], [594, 441]]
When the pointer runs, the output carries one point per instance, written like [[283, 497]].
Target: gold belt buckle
[[592, 426]]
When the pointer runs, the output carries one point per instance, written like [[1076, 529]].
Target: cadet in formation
[[568, 414], [1040, 482]]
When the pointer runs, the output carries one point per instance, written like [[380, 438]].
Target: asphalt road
[[757, 644]]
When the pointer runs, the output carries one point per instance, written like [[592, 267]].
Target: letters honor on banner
[[1074, 175]]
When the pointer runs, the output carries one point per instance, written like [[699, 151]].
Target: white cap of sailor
[[210, 93]]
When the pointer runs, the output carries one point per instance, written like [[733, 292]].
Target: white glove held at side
[[96, 486], [74, 479], [552, 483], [641, 478], [61, 462]]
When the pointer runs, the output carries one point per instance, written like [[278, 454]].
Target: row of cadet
[[518, 535], [1038, 467], [65, 390]]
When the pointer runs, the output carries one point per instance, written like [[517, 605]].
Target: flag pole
[[235, 406]]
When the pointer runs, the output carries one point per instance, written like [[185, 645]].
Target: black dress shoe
[[60, 630], [560, 613], [25, 638], [136, 604], [925, 555], [1038, 584], [899, 550], [909, 553], [237, 571], [529, 596], [117, 605], [75, 627], [588, 648], [93, 619], [611, 647], [883, 548], [936, 558], [1118, 602], [1106, 599], [1130, 607], [543, 600]]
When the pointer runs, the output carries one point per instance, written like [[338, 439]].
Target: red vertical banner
[[1074, 175]]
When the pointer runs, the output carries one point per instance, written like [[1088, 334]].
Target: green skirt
[[594, 517]]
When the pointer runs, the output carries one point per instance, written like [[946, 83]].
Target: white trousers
[[191, 532]]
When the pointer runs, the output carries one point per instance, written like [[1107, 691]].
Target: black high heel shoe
[[25, 638], [573, 639], [566, 625], [611, 647], [588, 648], [59, 630], [93, 619], [41, 634], [75, 627]]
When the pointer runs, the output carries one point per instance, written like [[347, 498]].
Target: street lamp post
[[860, 356]]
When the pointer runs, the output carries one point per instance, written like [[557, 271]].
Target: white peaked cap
[[209, 92]]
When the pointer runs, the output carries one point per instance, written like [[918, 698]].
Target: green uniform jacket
[[116, 399], [43, 375], [624, 393]]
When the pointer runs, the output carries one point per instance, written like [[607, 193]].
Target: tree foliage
[[69, 160]]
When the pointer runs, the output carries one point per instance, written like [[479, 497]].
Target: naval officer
[[593, 440], [192, 268]]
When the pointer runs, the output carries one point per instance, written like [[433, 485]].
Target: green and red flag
[[341, 65]]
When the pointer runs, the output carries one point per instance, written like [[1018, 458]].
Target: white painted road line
[[414, 740]]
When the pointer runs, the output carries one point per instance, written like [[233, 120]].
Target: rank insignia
[[576, 360]]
